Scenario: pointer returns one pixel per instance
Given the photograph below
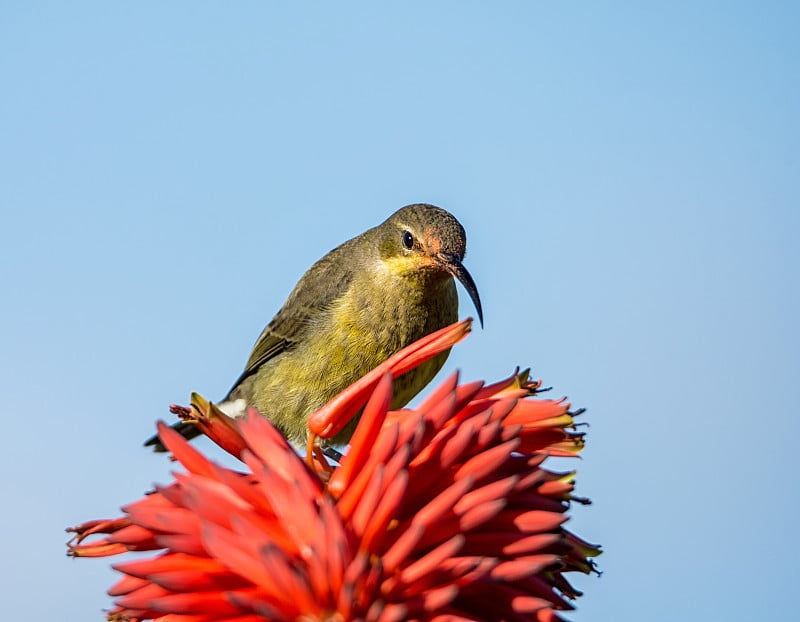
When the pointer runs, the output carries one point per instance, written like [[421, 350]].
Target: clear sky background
[[629, 178]]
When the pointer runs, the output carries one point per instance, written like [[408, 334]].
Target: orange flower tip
[[184, 412], [532, 386], [199, 402], [584, 548], [522, 378], [99, 549], [79, 530]]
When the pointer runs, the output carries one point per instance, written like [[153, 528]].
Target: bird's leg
[[315, 456]]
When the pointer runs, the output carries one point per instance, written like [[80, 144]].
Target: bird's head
[[423, 239]]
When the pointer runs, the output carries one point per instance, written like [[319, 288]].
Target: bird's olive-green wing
[[324, 282]]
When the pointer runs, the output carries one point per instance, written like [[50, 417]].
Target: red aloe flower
[[439, 513]]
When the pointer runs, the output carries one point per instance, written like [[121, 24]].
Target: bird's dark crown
[[437, 230]]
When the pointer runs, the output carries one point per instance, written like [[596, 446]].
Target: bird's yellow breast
[[378, 314]]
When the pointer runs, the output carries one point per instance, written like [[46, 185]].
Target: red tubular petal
[[498, 489], [338, 552], [438, 394], [405, 543], [502, 599], [534, 521], [522, 603], [490, 433], [499, 407], [466, 393], [449, 572], [527, 411], [264, 439], [556, 489], [344, 406], [285, 481], [191, 459], [491, 390], [535, 501], [133, 537], [244, 487], [173, 520], [179, 543], [430, 561], [481, 465], [208, 501], [219, 427], [236, 555], [391, 612], [441, 411], [456, 441], [477, 516], [479, 573], [431, 600], [428, 347], [512, 544], [103, 525], [167, 563], [443, 503], [387, 509], [101, 548], [473, 519], [165, 496], [254, 528], [548, 615], [414, 431], [126, 585], [436, 599], [369, 500], [364, 437], [537, 586], [530, 475], [192, 581], [203, 603], [514, 569], [380, 453], [429, 456], [537, 543], [141, 598], [555, 442]]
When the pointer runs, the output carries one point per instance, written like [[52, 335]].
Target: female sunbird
[[353, 309]]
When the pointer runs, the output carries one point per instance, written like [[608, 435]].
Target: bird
[[362, 302]]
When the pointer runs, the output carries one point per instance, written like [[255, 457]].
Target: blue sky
[[629, 180]]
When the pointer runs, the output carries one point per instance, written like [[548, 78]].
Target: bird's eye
[[408, 240]]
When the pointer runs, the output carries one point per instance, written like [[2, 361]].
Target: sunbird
[[362, 302]]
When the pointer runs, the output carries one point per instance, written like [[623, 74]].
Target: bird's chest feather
[[376, 318]]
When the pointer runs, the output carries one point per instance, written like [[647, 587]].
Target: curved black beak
[[453, 265]]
